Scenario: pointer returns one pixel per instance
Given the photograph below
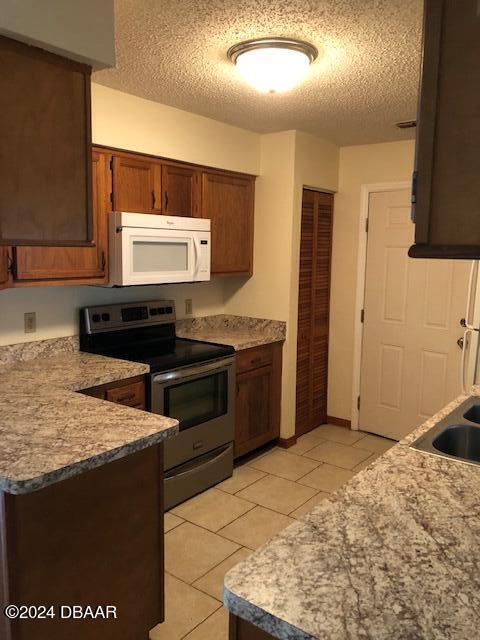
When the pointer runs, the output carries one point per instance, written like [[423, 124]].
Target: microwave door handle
[[196, 245]]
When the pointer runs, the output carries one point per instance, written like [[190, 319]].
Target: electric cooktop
[[143, 332]]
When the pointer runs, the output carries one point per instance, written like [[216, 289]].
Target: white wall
[[82, 30], [128, 122], [289, 160], [57, 307], [363, 164]]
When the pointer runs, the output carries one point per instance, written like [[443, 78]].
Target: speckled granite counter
[[392, 555], [240, 332], [48, 433]]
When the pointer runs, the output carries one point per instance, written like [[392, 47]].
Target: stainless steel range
[[190, 380]]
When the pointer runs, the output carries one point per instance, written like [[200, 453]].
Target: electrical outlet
[[30, 322], [188, 307]]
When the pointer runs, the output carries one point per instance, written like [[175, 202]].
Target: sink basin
[[457, 436], [459, 441], [473, 414]]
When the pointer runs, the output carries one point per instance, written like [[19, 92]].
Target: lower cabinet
[[130, 392], [259, 378], [93, 539], [240, 629], [4, 270]]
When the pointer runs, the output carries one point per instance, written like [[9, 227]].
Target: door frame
[[365, 191]]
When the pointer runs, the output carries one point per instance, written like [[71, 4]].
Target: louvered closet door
[[313, 310]]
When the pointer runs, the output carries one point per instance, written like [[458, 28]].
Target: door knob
[[460, 342], [463, 322]]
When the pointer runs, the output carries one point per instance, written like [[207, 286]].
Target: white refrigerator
[[470, 370]]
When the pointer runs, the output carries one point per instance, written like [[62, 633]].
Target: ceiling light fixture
[[273, 65]]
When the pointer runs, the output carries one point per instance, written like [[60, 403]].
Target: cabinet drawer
[[132, 395], [254, 358]]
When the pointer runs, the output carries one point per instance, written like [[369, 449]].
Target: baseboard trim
[[341, 422], [286, 443]]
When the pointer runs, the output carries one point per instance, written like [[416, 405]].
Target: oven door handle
[[188, 372]]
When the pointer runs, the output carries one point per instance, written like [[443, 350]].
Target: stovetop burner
[[143, 332]]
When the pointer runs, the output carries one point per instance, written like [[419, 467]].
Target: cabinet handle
[[166, 200], [414, 195], [10, 264], [153, 200], [238, 388], [256, 360]]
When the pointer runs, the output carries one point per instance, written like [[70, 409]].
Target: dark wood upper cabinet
[[45, 148], [181, 190], [228, 201], [136, 184], [446, 183], [66, 265]]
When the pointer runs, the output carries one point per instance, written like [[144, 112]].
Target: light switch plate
[[30, 322], [188, 307]]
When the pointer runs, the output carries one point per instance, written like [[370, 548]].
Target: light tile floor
[[219, 528]]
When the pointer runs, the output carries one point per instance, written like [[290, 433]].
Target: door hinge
[[366, 225], [358, 403], [362, 316]]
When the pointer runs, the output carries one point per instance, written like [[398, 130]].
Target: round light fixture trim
[[273, 64]]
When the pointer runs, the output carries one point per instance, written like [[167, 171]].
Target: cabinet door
[[4, 271], [228, 202], [448, 138], [45, 136], [136, 185], [313, 310], [71, 264], [253, 421], [180, 190]]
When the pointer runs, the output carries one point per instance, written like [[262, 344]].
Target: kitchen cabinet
[[45, 136], [136, 183], [446, 190], [4, 267], [130, 392], [257, 417], [240, 629], [181, 190], [71, 265], [228, 200], [96, 538]]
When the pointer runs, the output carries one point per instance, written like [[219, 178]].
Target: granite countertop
[[240, 332], [49, 433], [392, 555]]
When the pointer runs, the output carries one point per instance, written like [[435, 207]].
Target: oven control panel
[[125, 316]]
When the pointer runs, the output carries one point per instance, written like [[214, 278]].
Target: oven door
[[156, 256], [202, 398]]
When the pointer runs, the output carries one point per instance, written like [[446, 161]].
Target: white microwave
[[156, 249]]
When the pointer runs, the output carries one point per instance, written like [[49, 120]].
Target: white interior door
[[411, 362]]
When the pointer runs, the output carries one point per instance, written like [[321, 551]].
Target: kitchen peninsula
[[81, 498], [393, 554]]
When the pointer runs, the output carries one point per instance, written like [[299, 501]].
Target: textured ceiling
[[364, 80]]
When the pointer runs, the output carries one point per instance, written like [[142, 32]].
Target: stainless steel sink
[[457, 436]]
